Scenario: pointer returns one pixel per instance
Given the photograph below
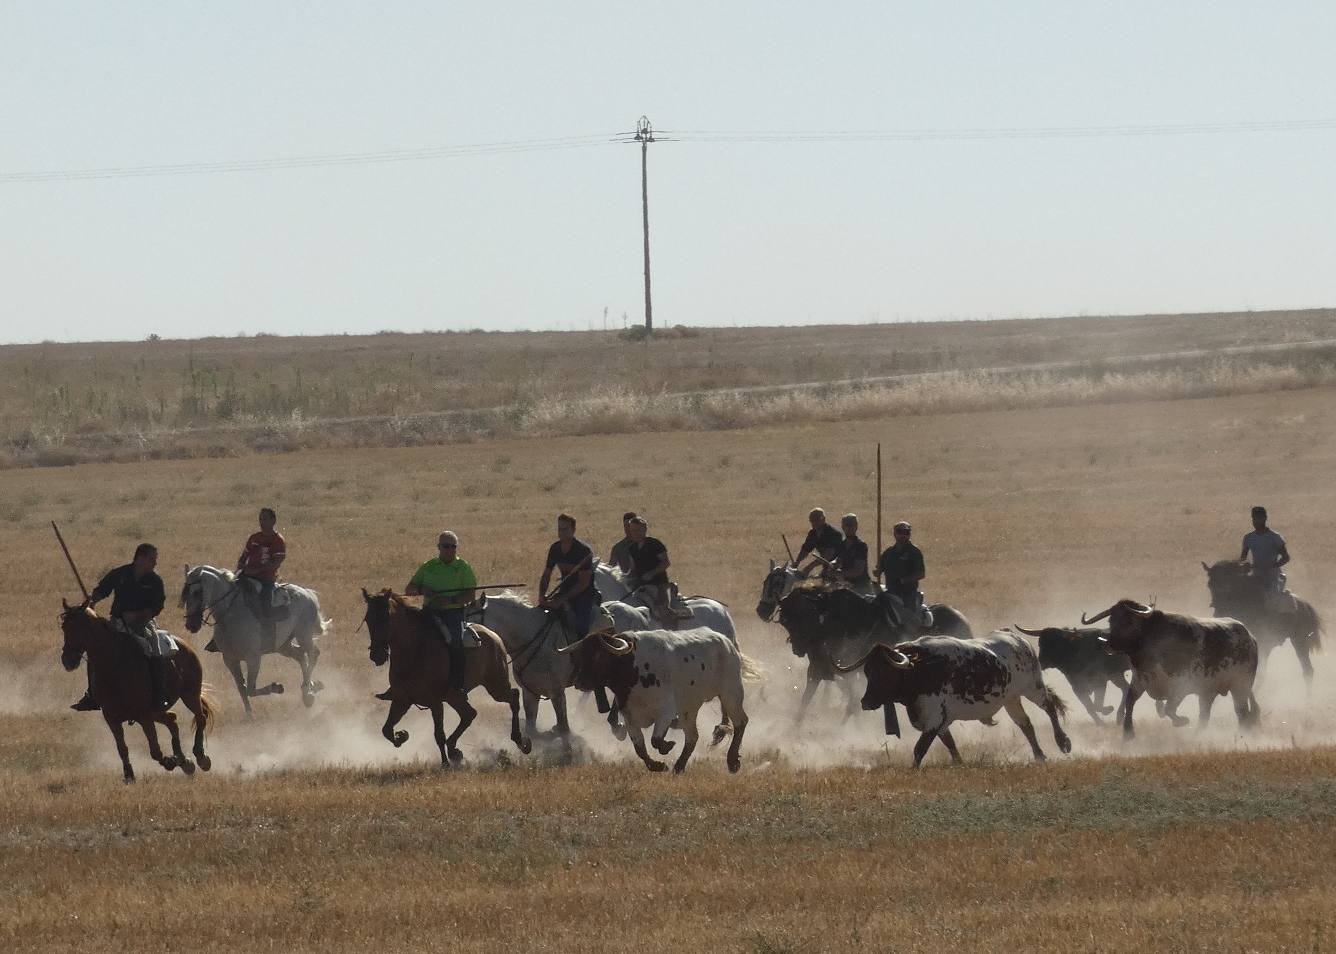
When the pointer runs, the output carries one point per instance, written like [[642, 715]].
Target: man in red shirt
[[260, 559]]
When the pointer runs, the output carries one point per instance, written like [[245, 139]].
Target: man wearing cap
[[822, 539], [851, 557], [901, 568], [446, 584], [1269, 554]]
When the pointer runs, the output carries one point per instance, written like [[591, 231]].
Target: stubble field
[[312, 833]]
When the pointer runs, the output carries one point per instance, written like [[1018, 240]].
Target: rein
[[205, 616]]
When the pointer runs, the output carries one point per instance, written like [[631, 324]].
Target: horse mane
[[519, 598], [613, 571]]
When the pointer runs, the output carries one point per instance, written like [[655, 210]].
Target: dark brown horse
[[125, 693], [420, 672]]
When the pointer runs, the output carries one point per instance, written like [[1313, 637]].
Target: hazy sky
[[742, 233]]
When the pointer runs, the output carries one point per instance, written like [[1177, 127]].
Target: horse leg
[[234, 667], [397, 709], [460, 703], [195, 703], [149, 725], [687, 720], [1302, 650], [530, 700], [438, 723], [253, 673], [563, 726], [123, 750], [499, 688], [808, 692]]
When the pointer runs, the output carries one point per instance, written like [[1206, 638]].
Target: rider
[[138, 597], [1269, 554], [649, 571], [260, 559], [851, 557], [902, 566], [446, 583], [573, 557], [822, 539], [620, 557]]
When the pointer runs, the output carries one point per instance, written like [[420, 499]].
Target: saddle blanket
[[470, 638], [160, 645]]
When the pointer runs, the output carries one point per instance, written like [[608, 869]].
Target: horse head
[[778, 583], [381, 609], [76, 624]]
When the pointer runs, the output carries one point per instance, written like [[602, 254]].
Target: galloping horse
[[1238, 594], [124, 692], [237, 631], [712, 614], [420, 672]]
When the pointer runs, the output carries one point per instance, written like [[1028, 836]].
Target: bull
[[1175, 656], [1080, 656], [943, 679], [660, 678]]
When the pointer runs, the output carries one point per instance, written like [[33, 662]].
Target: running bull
[[1175, 656], [1079, 654], [660, 677], [943, 679]]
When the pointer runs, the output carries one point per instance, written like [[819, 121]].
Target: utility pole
[[645, 136]]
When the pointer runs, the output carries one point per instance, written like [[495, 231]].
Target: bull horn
[[1027, 632], [1205, 567], [773, 564], [1097, 617], [1140, 609], [617, 645], [563, 650], [861, 659], [898, 659]]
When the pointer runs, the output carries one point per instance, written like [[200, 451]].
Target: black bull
[[1079, 654]]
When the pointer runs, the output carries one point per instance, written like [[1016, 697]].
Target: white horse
[[532, 637], [211, 592], [706, 612]]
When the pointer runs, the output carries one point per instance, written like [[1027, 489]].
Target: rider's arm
[[664, 562], [1284, 556], [543, 581], [103, 588], [413, 589], [1243, 557]]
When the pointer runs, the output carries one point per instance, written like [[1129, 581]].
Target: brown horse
[[124, 692], [420, 672]]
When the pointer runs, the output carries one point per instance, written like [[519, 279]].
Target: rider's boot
[[87, 703], [157, 677], [385, 696], [212, 646]]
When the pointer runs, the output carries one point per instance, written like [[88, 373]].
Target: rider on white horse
[[260, 559]]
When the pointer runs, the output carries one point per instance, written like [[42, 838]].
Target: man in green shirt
[[446, 584]]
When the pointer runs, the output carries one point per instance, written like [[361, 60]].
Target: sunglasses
[[447, 546]]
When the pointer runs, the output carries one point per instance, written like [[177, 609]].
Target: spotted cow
[[944, 679], [1174, 656], [659, 677]]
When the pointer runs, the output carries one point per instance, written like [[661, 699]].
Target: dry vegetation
[[313, 833], [66, 404]]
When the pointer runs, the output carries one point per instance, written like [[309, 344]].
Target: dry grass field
[[312, 833]]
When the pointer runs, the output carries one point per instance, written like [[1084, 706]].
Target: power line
[[998, 133], [313, 161]]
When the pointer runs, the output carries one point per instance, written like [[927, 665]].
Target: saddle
[[279, 604], [469, 638], [154, 643]]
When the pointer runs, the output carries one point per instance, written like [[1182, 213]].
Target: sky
[[742, 232]]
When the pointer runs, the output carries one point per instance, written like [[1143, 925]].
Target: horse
[[533, 637], [125, 693], [813, 612], [706, 612], [1235, 592], [407, 638], [237, 631]]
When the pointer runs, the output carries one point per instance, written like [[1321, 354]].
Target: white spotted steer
[[942, 679], [659, 676]]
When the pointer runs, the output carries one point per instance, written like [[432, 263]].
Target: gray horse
[[705, 612], [214, 595]]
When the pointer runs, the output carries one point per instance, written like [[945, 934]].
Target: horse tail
[[208, 712]]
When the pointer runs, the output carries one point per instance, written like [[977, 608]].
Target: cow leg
[[1097, 698], [687, 721], [638, 743], [922, 745], [1120, 681], [1245, 707], [1049, 702], [1093, 702], [737, 715], [1130, 697], [661, 726], [950, 743], [1171, 710], [1204, 702], [1018, 716]]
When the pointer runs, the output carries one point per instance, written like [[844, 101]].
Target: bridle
[[205, 617]]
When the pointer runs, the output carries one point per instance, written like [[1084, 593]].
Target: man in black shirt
[[902, 568], [851, 557], [649, 571], [822, 539], [620, 557], [137, 597], [576, 590]]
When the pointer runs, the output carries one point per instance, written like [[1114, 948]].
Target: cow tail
[[1054, 703], [751, 669]]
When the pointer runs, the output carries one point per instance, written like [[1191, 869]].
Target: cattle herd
[[649, 677]]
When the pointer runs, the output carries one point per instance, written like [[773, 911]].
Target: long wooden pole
[[879, 511], [77, 577], [644, 208]]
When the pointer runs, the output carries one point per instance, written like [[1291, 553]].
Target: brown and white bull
[[1175, 656], [660, 677], [943, 679]]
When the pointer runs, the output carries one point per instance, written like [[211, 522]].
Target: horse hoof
[[188, 767], [662, 746], [129, 780], [205, 762], [619, 732], [399, 738], [734, 765], [168, 763], [1065, 745], [679, 768], [308, 699], [455, 755], [276, 688], [1105, 710], [720, 733], [1179, 721], [524, 745], [657, 766]]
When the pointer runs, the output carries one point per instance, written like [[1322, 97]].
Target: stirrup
[[212, 646], [386, 696]]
